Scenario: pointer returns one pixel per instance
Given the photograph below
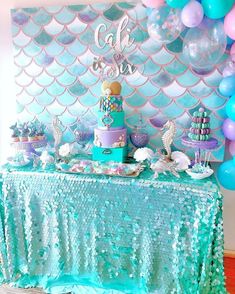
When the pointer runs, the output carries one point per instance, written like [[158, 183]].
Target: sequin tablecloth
[[97, 234]]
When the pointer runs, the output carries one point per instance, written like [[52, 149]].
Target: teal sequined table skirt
[[97, 234]]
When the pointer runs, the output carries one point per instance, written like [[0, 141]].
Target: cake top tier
[[113, 88]]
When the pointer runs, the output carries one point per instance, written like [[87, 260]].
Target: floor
[[8, 290], [229, 272], [229, 265]]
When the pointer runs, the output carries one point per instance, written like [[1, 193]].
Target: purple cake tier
[[212, 143], [110, 138]]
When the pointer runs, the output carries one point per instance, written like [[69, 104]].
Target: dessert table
[[100, 234]]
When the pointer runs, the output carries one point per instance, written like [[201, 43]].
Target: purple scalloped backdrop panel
[[54, 49]]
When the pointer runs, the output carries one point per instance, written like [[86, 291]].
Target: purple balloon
[[192, 14], [229, 129]]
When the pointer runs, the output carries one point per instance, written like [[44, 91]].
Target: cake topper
[[114, 64], [113, 88]]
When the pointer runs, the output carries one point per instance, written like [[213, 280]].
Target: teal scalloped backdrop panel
[[54, 49]]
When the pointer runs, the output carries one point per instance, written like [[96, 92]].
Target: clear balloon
[[192, 14], [229, 129], [229, 23], [226, 174], [230, 108], [217, 8], [205, 44], [229, 69], [153, 3], [164, 24], [202, 71], [231, 148], [227, 86], [177, 3]]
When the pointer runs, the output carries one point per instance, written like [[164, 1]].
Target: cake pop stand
[[29, 146], [208, 145]]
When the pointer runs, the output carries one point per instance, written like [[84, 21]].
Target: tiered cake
[[110, 138], [200, 126]]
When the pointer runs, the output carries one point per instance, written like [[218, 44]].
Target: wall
[[7, 92]]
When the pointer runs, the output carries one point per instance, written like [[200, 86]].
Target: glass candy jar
[[139, 138], [83, 135]]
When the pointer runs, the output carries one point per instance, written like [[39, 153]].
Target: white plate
[[199, 176], [18, 164]]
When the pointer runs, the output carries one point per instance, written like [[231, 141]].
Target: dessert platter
[[28, 136], [86, 166], [199, 138], [18, 160]]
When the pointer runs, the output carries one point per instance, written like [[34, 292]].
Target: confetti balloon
[[226, 174], [202, 71], [192, 14], [229, 69], [164, 24], [231, 148], [153, 3], [217, 8], [177, 3], [205, 45]]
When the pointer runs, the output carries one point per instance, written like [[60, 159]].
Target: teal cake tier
[[110, 103], [112, 120], [109, 154]]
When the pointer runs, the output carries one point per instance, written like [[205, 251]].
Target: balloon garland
[[204, 44]]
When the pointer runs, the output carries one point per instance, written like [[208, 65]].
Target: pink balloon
[[232, 52], [231, 148], [153, 3], [229, 23], [192, 14]]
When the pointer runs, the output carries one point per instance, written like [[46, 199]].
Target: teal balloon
[[230, 108], [226, 174], [217, 8], [177, 3], [227, 86]]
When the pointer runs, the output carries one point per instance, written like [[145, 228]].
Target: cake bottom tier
[[110, 138], [109, 154]]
